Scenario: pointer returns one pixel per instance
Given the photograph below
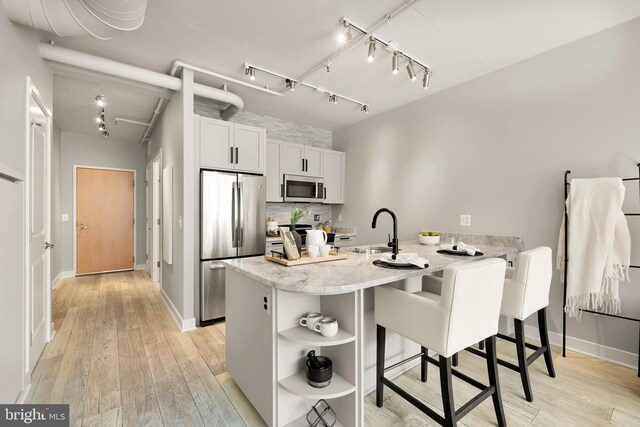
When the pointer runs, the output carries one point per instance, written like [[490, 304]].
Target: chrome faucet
[[393, 243]]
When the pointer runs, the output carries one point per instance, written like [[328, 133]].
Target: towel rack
[[566, 262]]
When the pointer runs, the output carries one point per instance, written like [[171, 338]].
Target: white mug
[[327, 326], [324, 250], [313, 251], [310, 320], [316, 237]]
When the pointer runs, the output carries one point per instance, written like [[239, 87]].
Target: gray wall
[[19, 53], [278, 130], [56, 202], [168, 136], [496, 147], [94, 150]]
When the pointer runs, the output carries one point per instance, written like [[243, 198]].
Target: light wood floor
[[118, 358]]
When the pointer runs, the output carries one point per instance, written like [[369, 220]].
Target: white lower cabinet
[[334, 176]]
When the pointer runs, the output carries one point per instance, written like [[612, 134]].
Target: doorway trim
[[32, 91], [75, 213], [156, 239]]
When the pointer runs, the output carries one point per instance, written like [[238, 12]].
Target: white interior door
[[38, 231], [155, 276], [149, 216]]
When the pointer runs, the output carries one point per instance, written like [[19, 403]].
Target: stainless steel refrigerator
[[232, 225]]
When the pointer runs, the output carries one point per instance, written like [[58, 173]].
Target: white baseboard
[[185, 325], [599, 351], [22, 397], [138, 267], [60, 276]]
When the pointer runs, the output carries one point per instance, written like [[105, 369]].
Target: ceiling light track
[[291, 84]]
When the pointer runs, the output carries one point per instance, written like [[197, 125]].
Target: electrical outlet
[[316, 217], [465, 220], [65, 217], [266, 304]]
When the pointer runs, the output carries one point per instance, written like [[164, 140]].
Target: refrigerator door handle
[[234, 220], [240, 232]]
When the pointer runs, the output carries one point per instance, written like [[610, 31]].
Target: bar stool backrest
[[534, 270]]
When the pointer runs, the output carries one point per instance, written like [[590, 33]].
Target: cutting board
[[305, 259]]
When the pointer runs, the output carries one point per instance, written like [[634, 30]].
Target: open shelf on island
[[302, 422], [297, 385], [301, 334]]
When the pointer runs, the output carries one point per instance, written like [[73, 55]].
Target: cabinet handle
[[231, 154], [237, 155], [325, 193], [281, 190], [306, 165], [302, 165]]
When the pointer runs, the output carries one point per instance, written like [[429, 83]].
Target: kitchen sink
[[371, 250]]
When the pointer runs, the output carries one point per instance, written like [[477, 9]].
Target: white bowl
[[428, 240]]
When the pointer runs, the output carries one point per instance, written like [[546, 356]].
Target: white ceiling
[[460, 40]]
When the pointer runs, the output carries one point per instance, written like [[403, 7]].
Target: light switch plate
[[465, 220], [65, 217]]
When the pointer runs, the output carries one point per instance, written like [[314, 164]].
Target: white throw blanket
[[599, 245]]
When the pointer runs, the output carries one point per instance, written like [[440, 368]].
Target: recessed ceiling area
[[459, 40]]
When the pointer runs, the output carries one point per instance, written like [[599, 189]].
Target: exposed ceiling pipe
[[78, 18], [130, 72]]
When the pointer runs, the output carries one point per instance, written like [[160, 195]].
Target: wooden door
[[249, 142], [104, 220], [216, 144]]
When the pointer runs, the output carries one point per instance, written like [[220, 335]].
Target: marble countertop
[[357, 271]]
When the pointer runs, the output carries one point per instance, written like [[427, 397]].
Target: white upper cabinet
[[273, 171], [334, 176], [231, 146], [298, 159]]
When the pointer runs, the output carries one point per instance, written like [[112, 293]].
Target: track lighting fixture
[[365, 108], [426, 78], [105, 134], [98, 120], [101, 127], [411, 71], [333, 98], [100, 100], [251, 72], [345, 34], [395, 63], [372, 49], [290, 84], [328, 66]]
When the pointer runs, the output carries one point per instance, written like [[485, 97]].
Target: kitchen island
[[266, 347]]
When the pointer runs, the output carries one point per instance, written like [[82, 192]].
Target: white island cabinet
[[266, 347]]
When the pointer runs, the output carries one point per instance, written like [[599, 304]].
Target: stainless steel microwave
[[303, 189]]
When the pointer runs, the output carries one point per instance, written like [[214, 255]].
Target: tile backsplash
[[281, 212]]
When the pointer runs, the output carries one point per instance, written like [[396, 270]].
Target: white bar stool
[[526, 291], [467, 312]]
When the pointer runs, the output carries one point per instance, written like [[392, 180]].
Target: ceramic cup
[[324, 250], [310, 320], [316, 237], [313, 251], [327, 326]]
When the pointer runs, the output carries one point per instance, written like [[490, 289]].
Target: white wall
[[497, 147], [94, 150], [56, 222], [19, 49]]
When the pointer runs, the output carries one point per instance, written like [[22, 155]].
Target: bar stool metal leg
[[544, 341], [424, 364], [381, 334], [492, 368], [522, 359], [454, 359], [446, 385]]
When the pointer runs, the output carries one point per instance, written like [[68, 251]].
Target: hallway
[[119, 359]]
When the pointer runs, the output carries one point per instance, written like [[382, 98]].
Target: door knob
[[83, 227], [48, 245]]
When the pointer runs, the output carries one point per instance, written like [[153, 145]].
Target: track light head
[[101, 127], [411, 71], [328, 66], [344, 36], [333, 99], [426, 78], [290, 84], [105, 134], [365, 108], [98, 119], [100, 100], [395, 63], [372, 49], [251, 72]]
